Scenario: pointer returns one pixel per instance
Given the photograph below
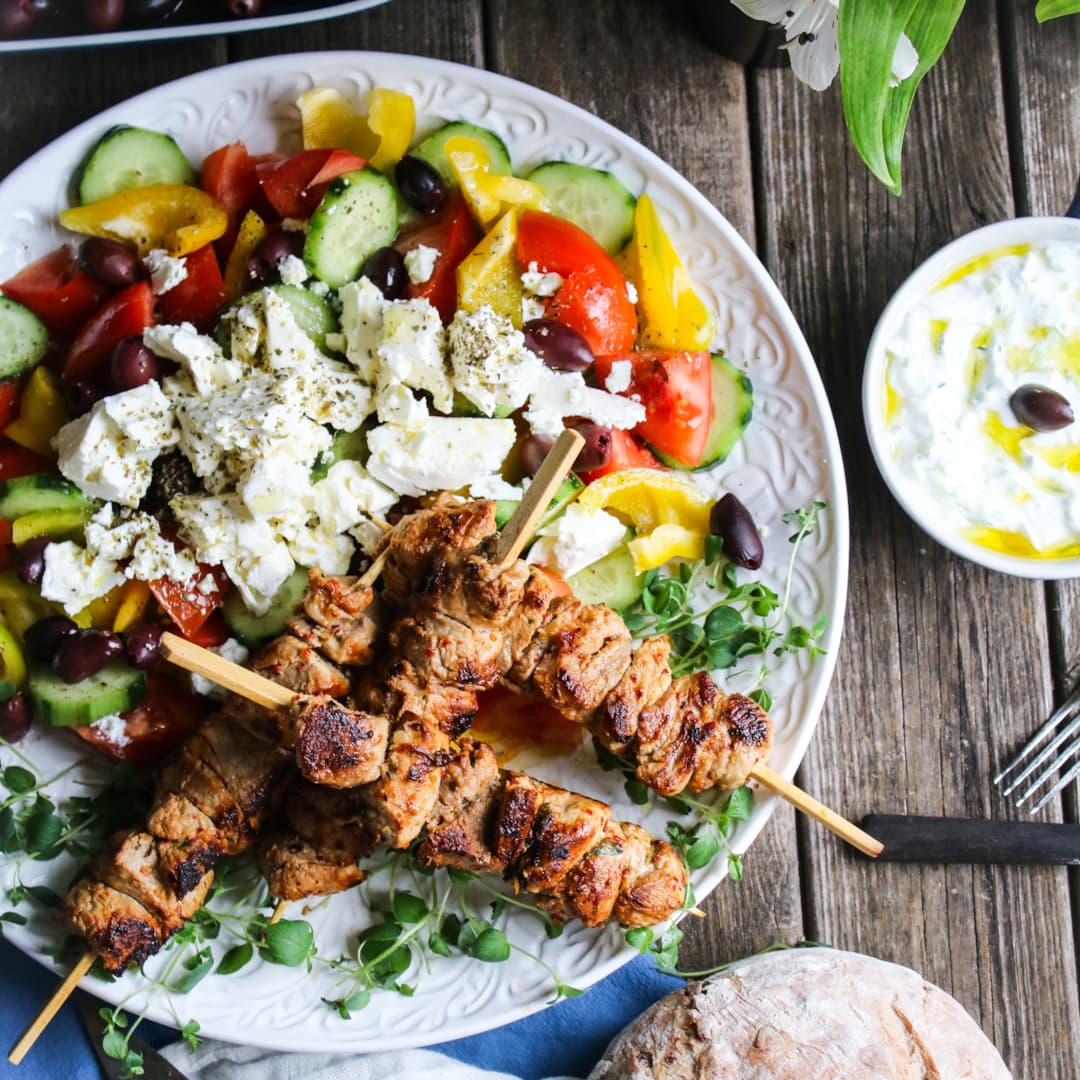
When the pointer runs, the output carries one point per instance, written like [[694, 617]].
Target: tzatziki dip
[[981, 377]]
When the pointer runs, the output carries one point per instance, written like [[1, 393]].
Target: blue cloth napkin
[[566, 1039]]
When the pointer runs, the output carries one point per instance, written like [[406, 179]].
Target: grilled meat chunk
[[119, 929], [591, 887], [567, 826], [647, 679], [340, 619], [289, 661], [339, 746], [442, 651], [538, 596], [251, 768], [654, 883]]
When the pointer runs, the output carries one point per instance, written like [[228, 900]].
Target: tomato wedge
[[57, 293], [295, 185], [676, 390], [626, 453], [9, 401], [197, 298], [453, 234], [127, 313], [186, 604], [157, 725], [16, 461]]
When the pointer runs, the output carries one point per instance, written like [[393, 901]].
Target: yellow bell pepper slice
[[665, 542], [489, 274], [489, 195], [330, 121], [249, 236], [646, 498], [102, 611], [42, 413], [12, 663], [21, 605], [135, 596], [671, 313], [175, 217]]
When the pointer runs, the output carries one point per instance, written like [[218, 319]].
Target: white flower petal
[[905, 60], [772, 11], [815, 55]]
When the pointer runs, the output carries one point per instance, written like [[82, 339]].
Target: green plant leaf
[[876, 112], [236, 958], [408, 908], [289, 942], [1054, 9]]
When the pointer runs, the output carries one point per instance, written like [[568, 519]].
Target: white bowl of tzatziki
[[970, 390]]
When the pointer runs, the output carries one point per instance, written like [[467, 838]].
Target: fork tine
[[1066, 732], [1059, 714], [1071, 775], [1047, 775]]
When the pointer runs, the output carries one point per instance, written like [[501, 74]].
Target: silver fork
[[1068, 738]]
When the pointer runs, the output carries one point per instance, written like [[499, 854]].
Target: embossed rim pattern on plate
[[789, 456]]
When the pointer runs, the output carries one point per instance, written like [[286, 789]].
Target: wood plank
[[943, 665], [695, 117], [40, 102]]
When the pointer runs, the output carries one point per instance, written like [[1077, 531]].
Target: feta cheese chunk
[[442, 453], [576, 539], [494, 487], [531, 308], [73, 577], [230, 650], [362, 307], [293, 270], [165, 271], [113, 729], [559, 394], [144, 415], [125, 535], [420, 263], [399, 405], [538, 283], [346, 495], [274, 484], [489, 362], [200, 356], [618, 378], [410, 350], [317, 546]]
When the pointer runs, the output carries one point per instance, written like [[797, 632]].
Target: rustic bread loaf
[[805, 1014]]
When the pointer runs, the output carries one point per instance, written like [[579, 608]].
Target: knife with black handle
[[973, 840]]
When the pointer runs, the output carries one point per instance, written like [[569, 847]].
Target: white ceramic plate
[[789, 457], [278, 13]]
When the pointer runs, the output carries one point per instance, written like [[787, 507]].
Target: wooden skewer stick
[[519, 529], [832, 821], [371, 574], [279, 909], [51, 1008], [248, 684]]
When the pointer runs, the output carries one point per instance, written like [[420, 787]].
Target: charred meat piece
[[120, 930], [445, 652], [339, 746], [647, 680], [532, 612], [130, 865], [251, 768], [340, 619], [289, 661], [314, 848], [744, 737], [184, 864], [591, 887], [654, 883]]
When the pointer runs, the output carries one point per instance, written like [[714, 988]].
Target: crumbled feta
[[442, 453], [336, 342], [576, 539], [367, 535], [275, 483], [322, 290], [292, 270], [631, 292], [410, 348], [144, 416], [113, 729], [230, 650], [538, 283], [494, 487], [399, 405], [73, 577], [531, 308], [317, 546], [124, 535], [258, 577], [618, 378], [362, 307], [165, 271], [200, 356], [420, 263], [246, 331], [559, 394], [346, 495], [489, 362]]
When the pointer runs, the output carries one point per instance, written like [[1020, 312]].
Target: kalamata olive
[[104, 14], [1040, 407], [133, 364], [14, 718], [272, 251], [558, 346], [80, 397], [172, 476], [533, 451], [30, 559], [420, 184], [46, 9], [110, 262], [731, 521], [16, 17], [43, 638], [386, 269], [596, 452], [85, 654], [143, 644], [243, 7], [144, 12]]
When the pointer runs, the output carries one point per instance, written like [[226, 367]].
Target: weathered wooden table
[[945, 668]]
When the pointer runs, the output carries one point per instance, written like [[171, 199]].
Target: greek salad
[[249, 365]]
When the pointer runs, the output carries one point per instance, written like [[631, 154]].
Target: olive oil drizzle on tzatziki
[[1006, 320]]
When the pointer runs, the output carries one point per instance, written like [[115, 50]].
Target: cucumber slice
[[565, 493], [251, 629], [57, 523], [346, 446], [611, 580], [357, 216], [42, 491], [433, 149], [23, 339], [592, 199], [130, 157], [312, 313], [116, 688], [733, 406]]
